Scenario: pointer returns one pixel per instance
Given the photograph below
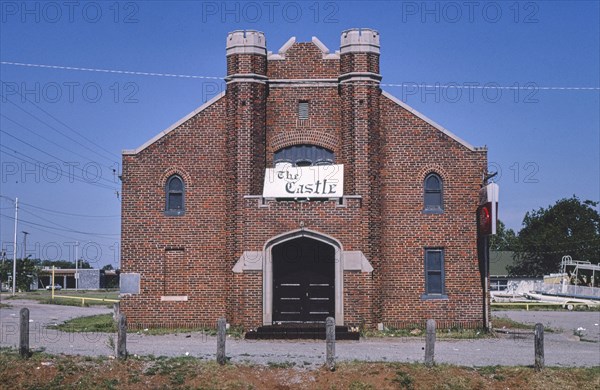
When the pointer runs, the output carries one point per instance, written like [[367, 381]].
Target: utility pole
[[24, 256], [24, 244], [14, 275], [76, 265]]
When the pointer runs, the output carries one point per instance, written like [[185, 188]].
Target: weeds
[[97, 323], [404, 380]]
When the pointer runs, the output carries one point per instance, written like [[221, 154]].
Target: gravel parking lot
[[562, 348]]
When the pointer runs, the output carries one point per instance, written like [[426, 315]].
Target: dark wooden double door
[[303, 281]]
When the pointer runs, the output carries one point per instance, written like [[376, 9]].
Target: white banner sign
[[319, 181]]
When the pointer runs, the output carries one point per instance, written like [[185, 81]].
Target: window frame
[[168, 191], [300, 153], [301, 103], [440, 208], [434, 295]]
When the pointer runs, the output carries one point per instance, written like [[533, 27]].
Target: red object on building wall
[[488, 209]]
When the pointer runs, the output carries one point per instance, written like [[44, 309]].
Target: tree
[[107, 267], [26, 273], [65, 264], [504, 239], [569, 227]]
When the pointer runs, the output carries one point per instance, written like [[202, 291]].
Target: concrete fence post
[[122, 337], [116, 311], [24, 333], [539, 346], [430, 343], [221, 337], [330, 343]]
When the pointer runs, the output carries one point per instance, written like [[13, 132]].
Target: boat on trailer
[[578, 282]]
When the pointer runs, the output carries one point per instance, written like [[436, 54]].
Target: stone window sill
[[433, 211], [434, 296], [174, 213]]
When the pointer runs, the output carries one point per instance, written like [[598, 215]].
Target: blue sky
[[71, 125]]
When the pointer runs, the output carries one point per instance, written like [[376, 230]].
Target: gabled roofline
[[173, 126], [433, 123]]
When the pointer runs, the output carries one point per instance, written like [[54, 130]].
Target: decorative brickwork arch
[[268, 271], [432, 168], [175, 171], [308, 137]]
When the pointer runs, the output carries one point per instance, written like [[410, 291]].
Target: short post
[[116, 311], [539, 346], [330, 343], [122, 337], [430, 343], [24, 333], [221, 337]]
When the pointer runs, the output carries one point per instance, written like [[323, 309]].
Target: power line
[[48, 140], [48, 231], [68, 214], [65, 227], [68, 230], [56, 211], [61, 122], [102, 244], [110, 71], [76, 178], [46, 153], [464, 86], [54, 128]]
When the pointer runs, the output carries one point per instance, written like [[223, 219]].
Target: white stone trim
[[356, 261], [246, 42], [301, 85], [281, 83], [359, 48], [245, 80], [246, 50], [268, 271], [326, 54], [254, 261], [249, 261], [431, 122], [359, 40], [360, 76], [174, 125], [282, 50], [174, 298]]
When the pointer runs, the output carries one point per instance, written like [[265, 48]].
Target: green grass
[[502, 322], [105, 323], [453, 333], [285, 364], [97, 323], [419, 331], [44, 296], [234, 331]]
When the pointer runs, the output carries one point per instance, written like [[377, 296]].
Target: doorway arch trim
[[268, 271]]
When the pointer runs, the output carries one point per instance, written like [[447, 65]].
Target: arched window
[[433, 194], [304, 155], [175, 196]]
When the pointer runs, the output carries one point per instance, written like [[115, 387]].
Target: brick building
[[303, 191]]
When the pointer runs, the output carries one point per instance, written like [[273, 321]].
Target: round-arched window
[[175, 202], [304, 155], [433, 193]]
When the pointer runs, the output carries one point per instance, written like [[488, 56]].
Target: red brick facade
[[213, 260]]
